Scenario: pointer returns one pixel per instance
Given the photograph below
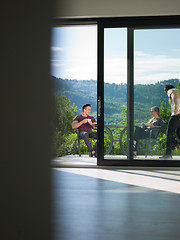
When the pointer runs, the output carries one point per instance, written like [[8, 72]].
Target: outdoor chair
[[156, 130], [78, 139]]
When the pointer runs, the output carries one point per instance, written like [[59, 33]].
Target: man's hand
[[84, 121], [90, 123], [77, 124]]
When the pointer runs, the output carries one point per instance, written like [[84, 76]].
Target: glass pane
[[74, 83], [115, 93], [156, 61]]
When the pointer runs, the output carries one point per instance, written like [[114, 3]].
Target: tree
[[63, 114], [165, 112], [62, 117], [178, 85]]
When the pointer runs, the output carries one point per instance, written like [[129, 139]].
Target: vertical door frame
[[100, 95], [130, 92]]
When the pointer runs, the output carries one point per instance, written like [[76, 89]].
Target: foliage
[[178, 86], [63, 114], [165, 112], [76, 92], [62, 133], [66, 146]]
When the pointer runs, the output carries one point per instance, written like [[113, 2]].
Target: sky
[[156, 54]]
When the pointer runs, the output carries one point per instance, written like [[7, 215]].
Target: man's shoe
[[166, 157]]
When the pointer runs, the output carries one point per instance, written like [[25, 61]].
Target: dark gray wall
[[25, 120]]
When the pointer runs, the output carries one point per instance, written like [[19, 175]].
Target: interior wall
[[115, 8], [25, 97]]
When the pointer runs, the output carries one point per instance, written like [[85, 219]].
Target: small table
[[112, 140]]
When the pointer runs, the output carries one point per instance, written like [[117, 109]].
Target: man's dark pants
[[86, 135], [173, 127]]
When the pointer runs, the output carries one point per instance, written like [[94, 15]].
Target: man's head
[[167, 87], [86, 108]]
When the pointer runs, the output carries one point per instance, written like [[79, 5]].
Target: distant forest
[[145, 96]]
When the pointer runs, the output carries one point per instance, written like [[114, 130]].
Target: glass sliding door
[[134, 64], [115, 93], [156, 63]]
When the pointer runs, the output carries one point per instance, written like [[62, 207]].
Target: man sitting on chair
[[84, 123]]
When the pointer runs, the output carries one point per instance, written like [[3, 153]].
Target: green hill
[[145, 96]]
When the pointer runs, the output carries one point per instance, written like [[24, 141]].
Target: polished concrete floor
[[94, 203]]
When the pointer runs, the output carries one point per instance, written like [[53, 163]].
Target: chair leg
[[147, 147], [150, 148], [79, 148], [75, 146], [160, 147]]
